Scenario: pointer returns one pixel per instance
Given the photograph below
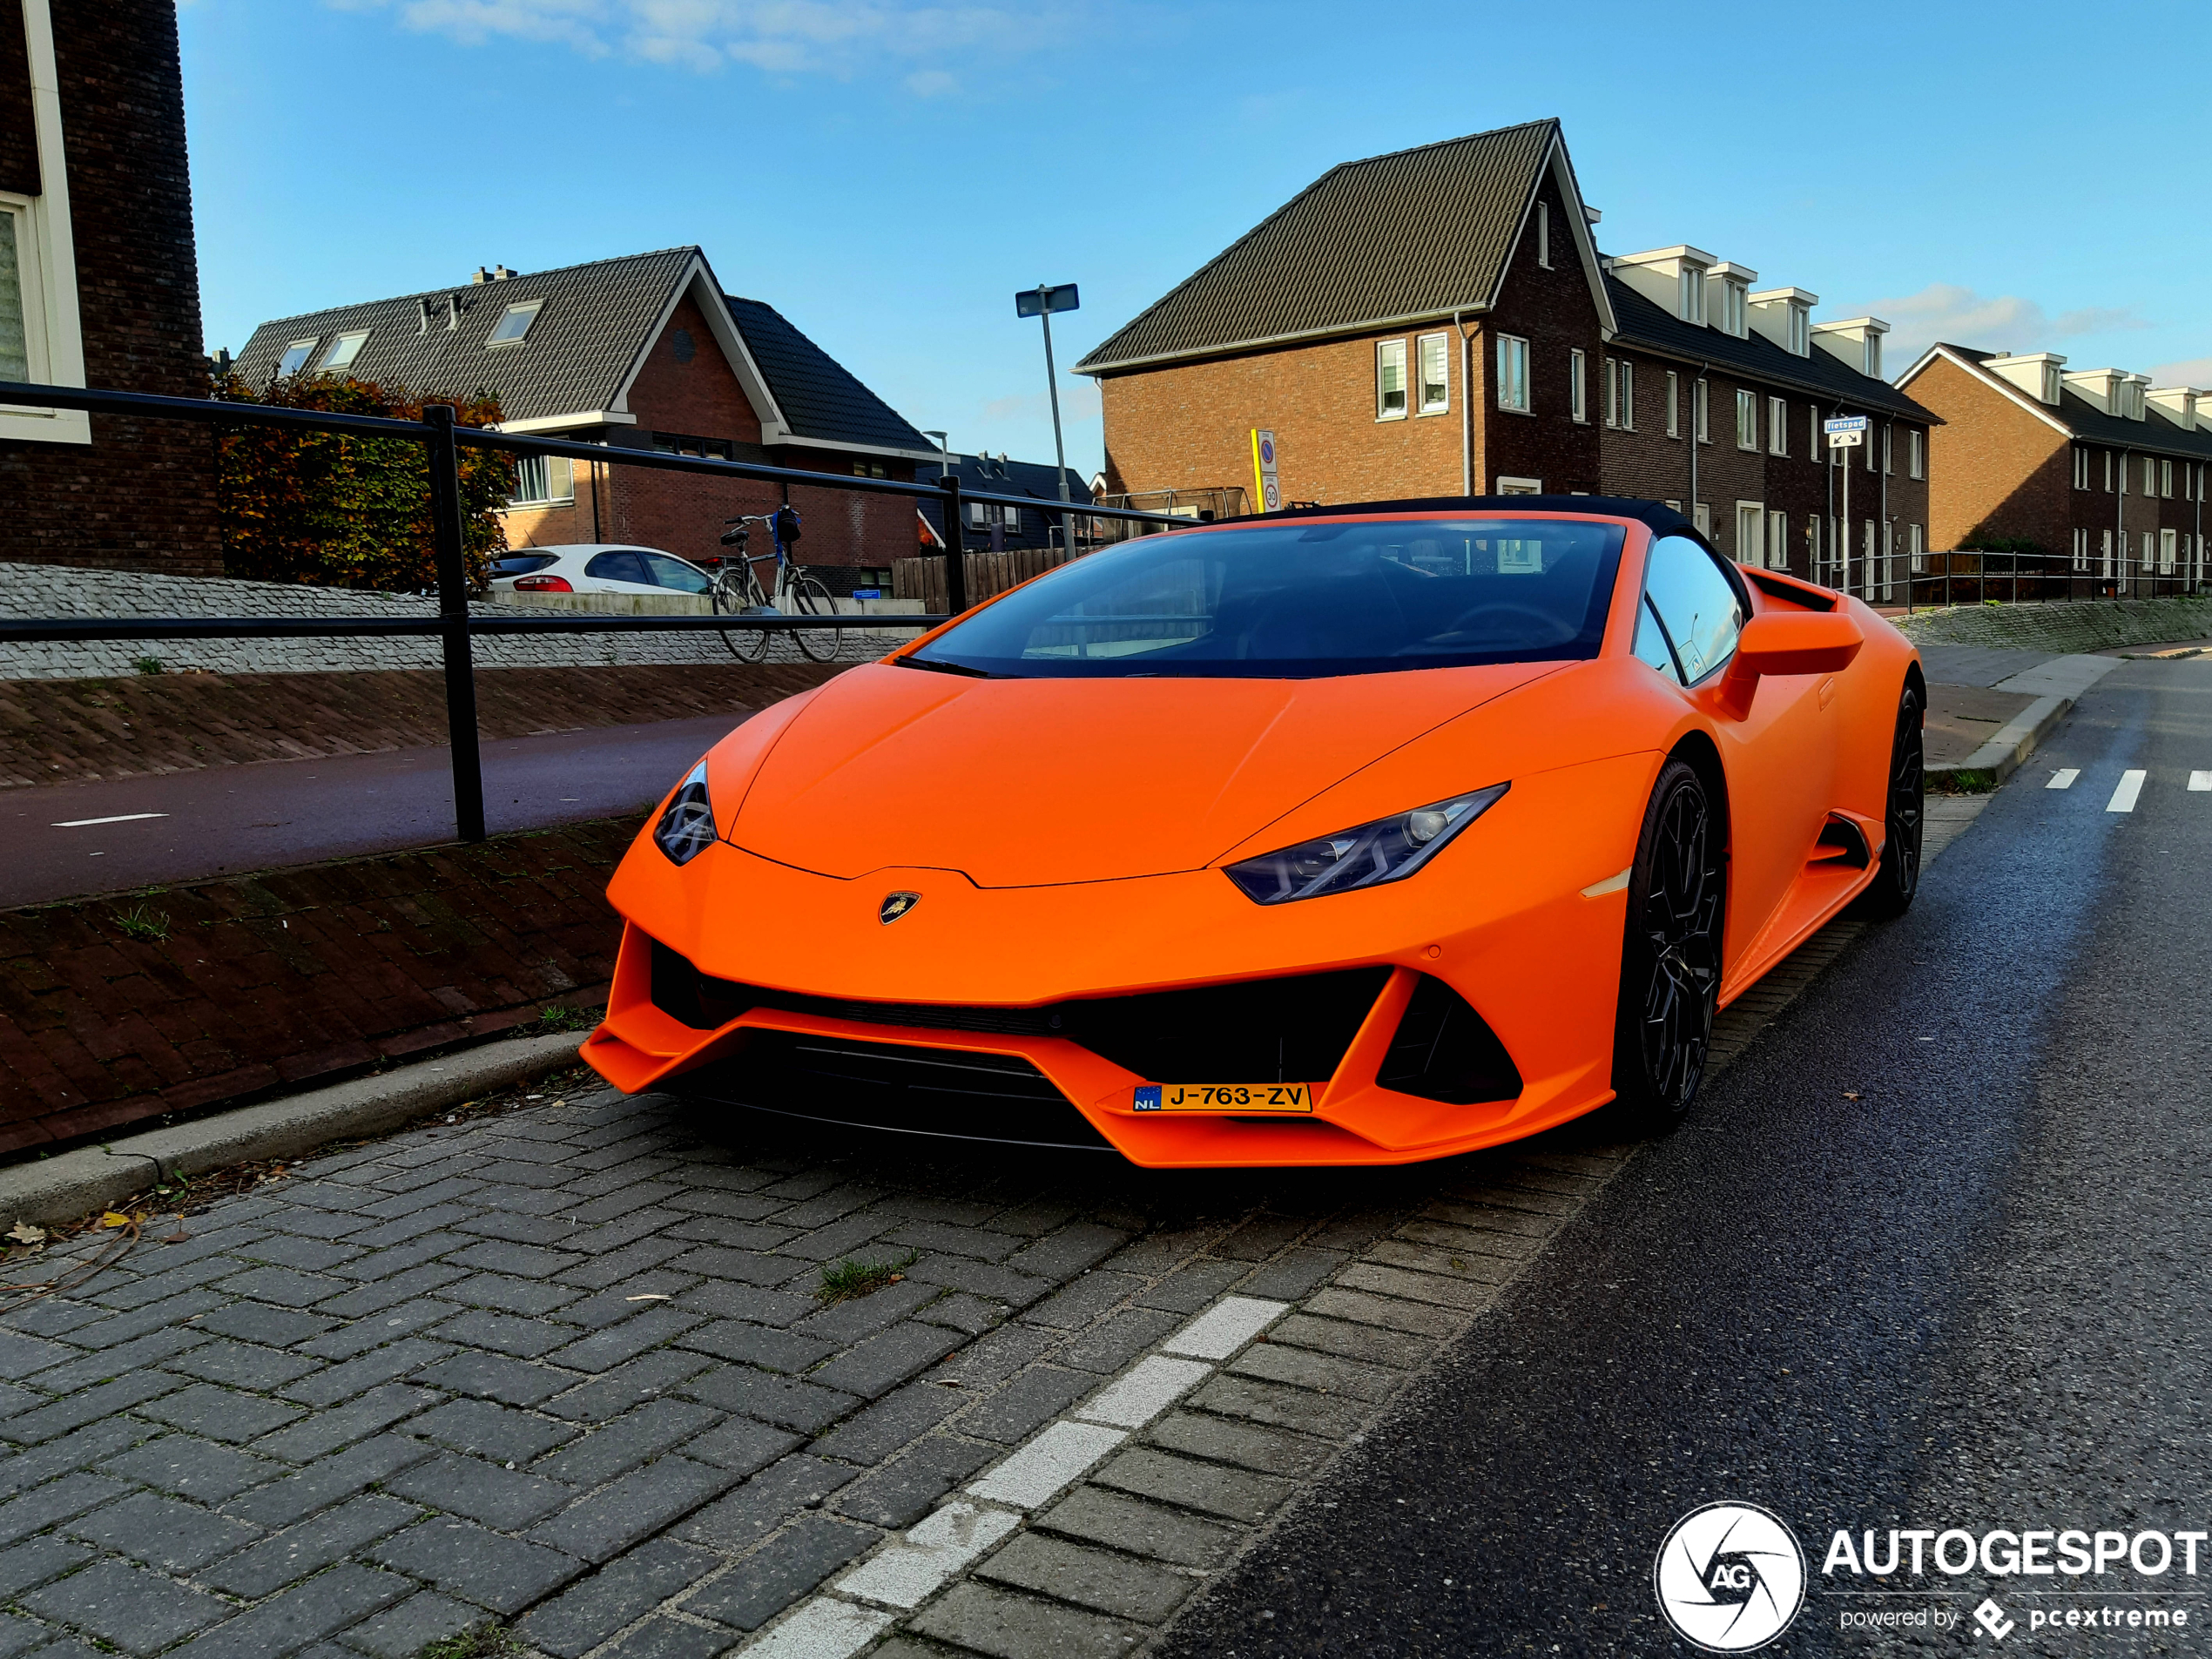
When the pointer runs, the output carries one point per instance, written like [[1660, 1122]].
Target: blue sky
[[2023, 177]]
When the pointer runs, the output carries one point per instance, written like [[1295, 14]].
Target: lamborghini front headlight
[[686, 827], [1389, 849]]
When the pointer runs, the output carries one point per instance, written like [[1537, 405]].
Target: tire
[[1670, 952], [1904, 813], [810, 597], [733, 594]]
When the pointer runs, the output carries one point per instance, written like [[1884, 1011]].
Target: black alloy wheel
[[1670, 958], [1906, 813]]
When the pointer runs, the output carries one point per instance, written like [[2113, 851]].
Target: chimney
[[500, 274], [422, 316], [453, 311], [482, 276]]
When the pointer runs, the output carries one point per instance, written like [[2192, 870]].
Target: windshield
[[1297, 600]]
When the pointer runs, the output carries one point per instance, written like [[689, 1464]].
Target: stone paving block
[[1351, 1340], [257, 1322], [754, 1345], [402, 1632], [1354, 1230], [125, 1294], [1468, 1241], [848, 1321], [920, 1206], [79, 1449], [533, 1298], [1532, 1230], [612, 1266], [784, 1401], [1324, 1373], [137, 1611], [194, 1468], [1034, 1218], [1088, 1577], [219, 1413], [839, 1238], [1113, 1343], [605, 1349], [613, 1392], [1252, 1446], [161, 1531], [1256, 1239], [122, 1327], [286, 1249], [1073, 1249], [379, 1365], [994, 1358], [764, 1502], [746, 1266], [658, 1426], [970, 1315], [393, 1244], [1434, 1289], [384, 1294], [21, 1356], [1233, 1494], [955, 1241], [328, 1481], [829, 1206], [1331, 1416], [720, 1299], [741, 1446], [503, 1334], [1389, 1313], [556, 1231], [36, 1561], [286, 1287], [508, 1500], [667, 1639], [616, 1194], [884, 1361], [243, 1364], [505, 1574], [619, 1301], [1032, 1399], [491, 1376], [872, 1434], [126, 1392], [492, 1430], [322, 1606], [1010, 1626], [999, 1284], [586, 1614], [104, 1364], [309, 1547], [1190, 1288], [1293, 1275], [437, 1192], [18, 1636], [1083, 1299], [1456, 1264], [326, 1431], [634, 1507], [780, 1572], [901, 1493], [518, 1261]]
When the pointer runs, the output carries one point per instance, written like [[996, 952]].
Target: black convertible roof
[[1662, 519]]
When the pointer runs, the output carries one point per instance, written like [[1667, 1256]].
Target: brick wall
[[1994, 466], [286, 980], [1552, 310], [18, 139], [141, 495]]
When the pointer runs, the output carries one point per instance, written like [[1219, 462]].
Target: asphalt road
[[188, 825], [1930, 1256]]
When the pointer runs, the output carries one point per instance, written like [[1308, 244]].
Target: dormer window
[[1873, 370], [343, 350], [1693, 294], [295, 357], [1800, 331], [515, 323], [1732, 309], [2051, 383]]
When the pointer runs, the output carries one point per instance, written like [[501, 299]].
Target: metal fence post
[[955, 555], [453, 610]]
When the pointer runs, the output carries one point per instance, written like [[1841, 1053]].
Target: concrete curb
[[64, 1188], [2005, 754]]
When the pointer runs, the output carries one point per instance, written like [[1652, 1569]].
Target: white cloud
[[784, 37], [2195, 371], [1991, 322]]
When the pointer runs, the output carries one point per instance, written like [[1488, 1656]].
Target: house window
[[2080, 549], [2081, 467], [1916, 453], [1812, 544], [1777, 541], [1698, 413], [514, 323], [2165, 478], [1800, 331], [295, 357], [1544, 235], [543, 478], [1390, 379], [2107, 455], [343, 350], [1627, 421], [2123, 481], [1886, 466], [1513, 373], [2051, 384], [1436, 386], [1747, 419], [1693, 294], [2168, 545], [1674, 404], [1577, 397], [1777, 426], [1750, 537], [1702, 515], [978, 514], [1520, 486], [15, 311], [1732, 309], [1814, 447]]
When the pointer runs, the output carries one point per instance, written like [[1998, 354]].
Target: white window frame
[[527, 308], [1889, 464], [1750, 533], [1701, 408], [1916, 543], [1673, 403], [1628, 396], [1693, 295], [1747, 419], [1814, 447], [1777, 541], [1777, 426], [330, 359], [2081, 548], [2165, 480], [2168, 545], [551, 495], [1513, 375], [1544, 235], [46, 254], [1916, 453], [1520, 487], [2107, 455], [1578, 390], [1443, 381], [1386, 350]]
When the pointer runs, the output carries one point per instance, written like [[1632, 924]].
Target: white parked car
[[595, 566]]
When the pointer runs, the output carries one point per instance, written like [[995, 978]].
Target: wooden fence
[[923, 578]]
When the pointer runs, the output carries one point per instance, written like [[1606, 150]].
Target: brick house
[[2090, 465], [99, 285], [1350, 322], [645, 352]]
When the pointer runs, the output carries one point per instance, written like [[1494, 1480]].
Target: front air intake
[[1445, 1050]]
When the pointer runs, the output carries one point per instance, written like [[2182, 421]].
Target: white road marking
[[822, 1630], [910, 1572], [120, 818], [1224, 1327], [1056, 1457], [1134, 1400], [2063, 778], [2124, 798], [2200, 780]]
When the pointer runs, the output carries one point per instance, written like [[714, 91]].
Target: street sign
[[1041, 301], [1270, 491], [1845, 432]]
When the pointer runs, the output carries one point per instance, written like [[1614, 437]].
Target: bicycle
[[737, 590]]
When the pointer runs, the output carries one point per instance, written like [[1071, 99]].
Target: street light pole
[[1040, 302]]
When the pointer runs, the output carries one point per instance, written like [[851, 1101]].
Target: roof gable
[[2075, 416], [819, 400]]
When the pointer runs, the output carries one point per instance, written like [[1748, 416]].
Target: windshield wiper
[[936, 667]]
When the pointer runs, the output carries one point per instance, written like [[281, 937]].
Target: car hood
[[1030, 782]]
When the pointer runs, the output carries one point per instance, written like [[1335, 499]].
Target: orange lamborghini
[[1345, 835]]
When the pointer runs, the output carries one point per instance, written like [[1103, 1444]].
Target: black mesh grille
[[1445, 1050], [1293, 1029]]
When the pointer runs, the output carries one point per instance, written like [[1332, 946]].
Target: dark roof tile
[[819, 396]]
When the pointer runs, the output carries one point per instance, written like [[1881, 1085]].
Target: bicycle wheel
[[736, 593], [809, 597]]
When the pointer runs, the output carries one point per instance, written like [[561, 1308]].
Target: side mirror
[[1782, 643]]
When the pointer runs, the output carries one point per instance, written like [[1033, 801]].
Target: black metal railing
[[1918, 581], [455, 626]]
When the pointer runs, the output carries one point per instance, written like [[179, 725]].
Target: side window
[[619, 567], [674, 573], [1651, 643], [1697, 602]]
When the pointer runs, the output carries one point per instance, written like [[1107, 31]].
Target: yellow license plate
[[1223, 1097]]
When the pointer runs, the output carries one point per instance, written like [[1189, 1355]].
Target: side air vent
[[1843, 842], [1444, 1050]]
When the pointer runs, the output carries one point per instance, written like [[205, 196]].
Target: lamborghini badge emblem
[[896, 905]]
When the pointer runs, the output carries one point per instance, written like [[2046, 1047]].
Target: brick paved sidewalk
[[565, 1366]]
